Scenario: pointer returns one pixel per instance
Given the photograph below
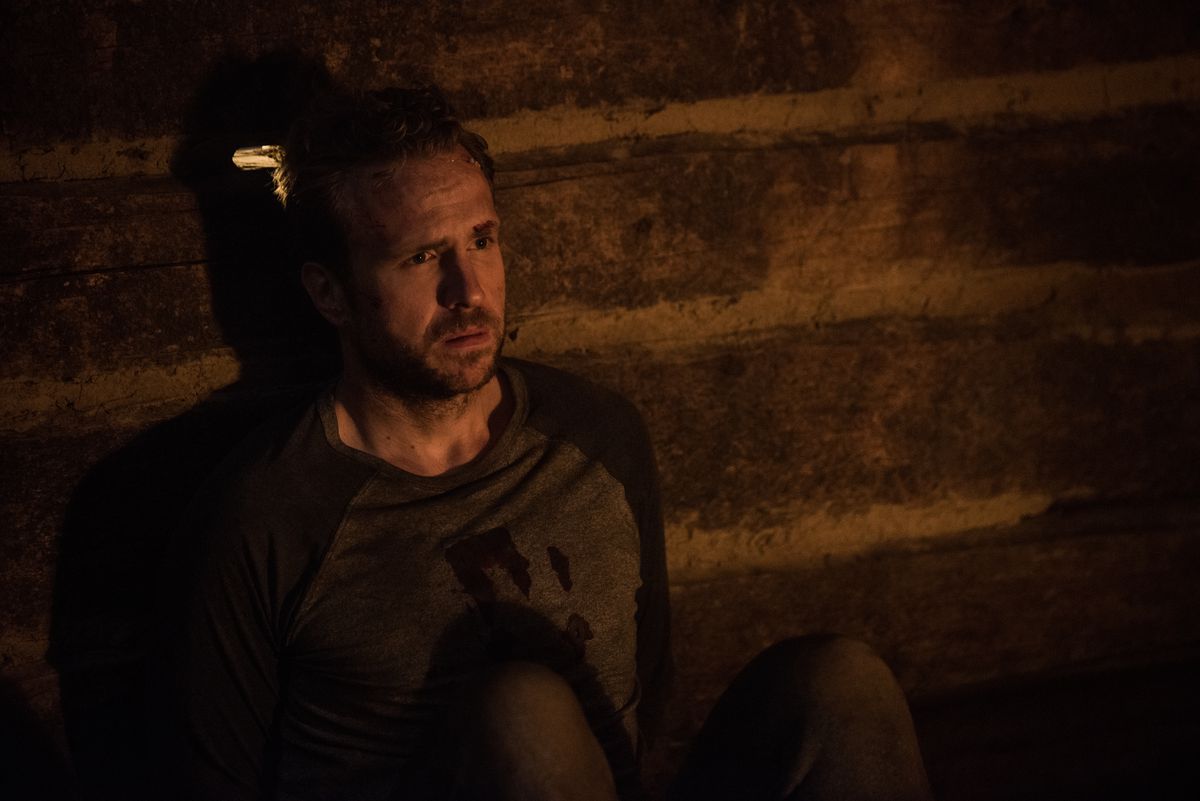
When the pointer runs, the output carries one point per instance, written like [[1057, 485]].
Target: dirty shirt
[[336, 603]]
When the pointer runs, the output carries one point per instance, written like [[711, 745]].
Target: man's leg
[[520, 733], [816, 717]]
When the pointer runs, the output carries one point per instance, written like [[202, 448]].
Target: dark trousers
[[817, 717]]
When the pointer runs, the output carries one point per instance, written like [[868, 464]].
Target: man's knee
[[822, 712], [517, 694], [523, 734], [827, 666], [813, 684], [519, 710]]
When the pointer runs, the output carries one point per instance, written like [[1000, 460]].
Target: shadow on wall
[[33, 767], [119, 519]]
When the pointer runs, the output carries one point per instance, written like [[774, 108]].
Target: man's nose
[[460, 285]]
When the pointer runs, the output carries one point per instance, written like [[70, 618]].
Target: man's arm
[[654, 661], [224, 664]]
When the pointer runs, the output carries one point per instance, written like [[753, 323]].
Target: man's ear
[[327, 292]]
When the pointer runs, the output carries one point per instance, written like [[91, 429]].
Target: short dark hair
[[344, 131]]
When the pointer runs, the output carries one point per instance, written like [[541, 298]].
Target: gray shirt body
[[336, 603]]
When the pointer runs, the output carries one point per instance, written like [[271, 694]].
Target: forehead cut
[[374, 196], [416, 178]]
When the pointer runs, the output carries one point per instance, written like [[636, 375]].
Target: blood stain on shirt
[[578, 632], [562, 567], [471, 557]]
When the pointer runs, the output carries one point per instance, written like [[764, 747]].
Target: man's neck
[[423, 437]]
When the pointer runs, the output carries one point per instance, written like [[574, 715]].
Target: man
[[445, 577]]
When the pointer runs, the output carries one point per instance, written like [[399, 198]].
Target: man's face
[[426, 292]]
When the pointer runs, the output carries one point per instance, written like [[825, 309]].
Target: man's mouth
[[472, 337]]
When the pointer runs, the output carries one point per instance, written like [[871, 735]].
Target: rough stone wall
[[886, 277]]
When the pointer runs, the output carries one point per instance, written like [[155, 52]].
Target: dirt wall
[[881, 276]]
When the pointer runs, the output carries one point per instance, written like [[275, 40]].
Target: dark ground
[[1127, 734]]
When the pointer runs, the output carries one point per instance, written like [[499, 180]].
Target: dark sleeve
[[654, 662], [252, 543], [225, 661]]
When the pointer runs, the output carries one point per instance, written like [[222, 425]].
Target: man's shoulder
[[258, 528], [280, 468], [600, 422], [557, 397], [267, 449]]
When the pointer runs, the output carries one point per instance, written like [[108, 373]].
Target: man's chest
[[416, 593]]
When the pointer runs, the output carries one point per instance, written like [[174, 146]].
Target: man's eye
[[483, 243], [420, 258]]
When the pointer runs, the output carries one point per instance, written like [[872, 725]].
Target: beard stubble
[[407, 373]]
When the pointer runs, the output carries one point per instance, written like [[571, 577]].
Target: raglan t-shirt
[[336, 603]]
